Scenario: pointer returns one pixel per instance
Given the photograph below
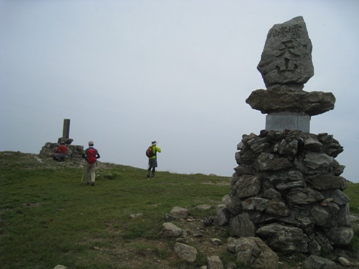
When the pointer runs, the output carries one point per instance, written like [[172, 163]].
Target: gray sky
[[176, 71]]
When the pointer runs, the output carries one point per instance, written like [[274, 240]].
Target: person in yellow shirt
[[152, 160]]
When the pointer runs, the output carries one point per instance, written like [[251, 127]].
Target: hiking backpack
[[91, 156], [149, 152]]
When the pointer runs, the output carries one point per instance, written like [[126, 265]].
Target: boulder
[[241, 225], [313, 145], [340, 236], [304, 196], [322, 216], [170, 230], [252, 251], [321, 162], [179, 212], [269, 162], [316, 262], [223, 217], [185, 252], [214, 262], [327, 181], [284, 238], [246, 186], [338, 196], [276, 208]]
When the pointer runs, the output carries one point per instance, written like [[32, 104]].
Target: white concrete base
[[288, 121]]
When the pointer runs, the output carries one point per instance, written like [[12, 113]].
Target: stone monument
[[286, 65], [287, 187], [73, 151]]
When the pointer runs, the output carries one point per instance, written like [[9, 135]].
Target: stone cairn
[[287, 189], [73, 151]]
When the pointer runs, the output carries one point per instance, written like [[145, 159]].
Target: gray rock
[[313, 145], [313, 247], [340, 236], [343, 216], [323, 242], [316, 262], [306, 224], [246, 157], [325, 138], [235, 178], [216, 241], [295, 176], [246, 186], [283, 238], [258, 144], [278, 178], [333, 149], [203, 207], [287, 147], [231, 265], [167, 217], [60, 267], [252, 251], [233, 205], [179, 212], [287, 54], [338, 196], [345, 262], [255, 203], [171, 230], [285, 99], [244, 169], [272, 194], [290, 185], [327, 182], [338, 169], [214, 262], [321, 162], [321, 216], [185, 252], [268, 162], [260, 218], [223, 217], [304, 196], [333, 208], [241, 225], [276, 208]]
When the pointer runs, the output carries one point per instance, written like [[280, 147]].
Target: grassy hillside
[[49, 216]]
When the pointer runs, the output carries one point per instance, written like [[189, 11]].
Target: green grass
[[48, 216]]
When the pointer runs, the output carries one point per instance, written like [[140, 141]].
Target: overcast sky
[[176, 71]]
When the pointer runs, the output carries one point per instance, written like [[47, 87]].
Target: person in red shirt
[[60, 152]]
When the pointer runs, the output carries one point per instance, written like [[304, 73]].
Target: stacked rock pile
[[288, 191], [73, 151]]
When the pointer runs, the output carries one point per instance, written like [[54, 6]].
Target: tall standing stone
[[286, 65], [66, 129], [287, 54]]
